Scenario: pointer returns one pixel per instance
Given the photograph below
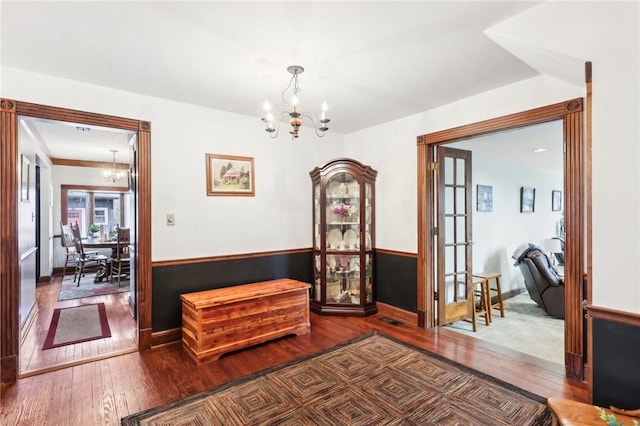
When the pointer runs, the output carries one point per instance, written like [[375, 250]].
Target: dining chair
[[69, 247], [120, 264], [86, 261]]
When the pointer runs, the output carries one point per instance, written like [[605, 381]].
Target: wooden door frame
[[10, 110], [575, 172]]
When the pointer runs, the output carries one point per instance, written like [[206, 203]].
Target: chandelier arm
[[308, 115], [282, 115]]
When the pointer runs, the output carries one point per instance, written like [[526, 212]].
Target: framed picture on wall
[[556, 201], [484, 198], [24, 178], [527, 199], [229, 175]]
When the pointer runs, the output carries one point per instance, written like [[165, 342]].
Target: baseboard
[[397, 313], [509, 294], [166, 337], [24, 329]]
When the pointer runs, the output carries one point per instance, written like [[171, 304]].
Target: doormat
[[77, 324], [371, 380]]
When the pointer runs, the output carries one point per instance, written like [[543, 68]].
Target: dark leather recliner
[[543, 283]]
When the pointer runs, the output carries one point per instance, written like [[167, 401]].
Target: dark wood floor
[[34, 360], [101, 392]]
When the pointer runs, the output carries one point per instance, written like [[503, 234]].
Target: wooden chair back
[[122, 244], [75, 230], [67, 239]]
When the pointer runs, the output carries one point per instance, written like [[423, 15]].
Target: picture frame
[[556, 201], [230, 175], [484, 198], [24, 178], [527, 199]]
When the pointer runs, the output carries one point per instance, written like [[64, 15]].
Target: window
[[86, 205]]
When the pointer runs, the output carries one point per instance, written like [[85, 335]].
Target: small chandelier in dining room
[[113, 174], [272, 122]]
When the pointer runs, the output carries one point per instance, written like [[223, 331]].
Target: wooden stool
[[483, 298], [488, 276]]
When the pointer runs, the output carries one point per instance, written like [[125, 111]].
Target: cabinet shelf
[[343, 277]]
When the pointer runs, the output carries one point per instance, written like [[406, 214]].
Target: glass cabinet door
[[317, 241], [342, 227]]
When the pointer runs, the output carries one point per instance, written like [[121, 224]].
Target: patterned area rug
[[526, 328], [77, 324], [369, 381], [87, 288]]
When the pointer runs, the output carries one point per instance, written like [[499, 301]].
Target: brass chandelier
[[272, 122]]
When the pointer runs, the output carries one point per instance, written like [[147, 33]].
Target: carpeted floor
[[87, 288], [77, 324], [525, 328], [370, 381]]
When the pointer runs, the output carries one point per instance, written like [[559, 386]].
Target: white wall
[[391, 149], [29, 148], [608, 34], [496, 234], [278, 217], [612, 44], [605, 33]]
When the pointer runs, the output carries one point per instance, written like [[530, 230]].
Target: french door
[[453, 235]]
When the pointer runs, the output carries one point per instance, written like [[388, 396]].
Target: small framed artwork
[[229, 175], [556, 201], [484, 198], [527, 199], [24, 179]]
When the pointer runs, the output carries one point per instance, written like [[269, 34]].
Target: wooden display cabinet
[[343, 238]]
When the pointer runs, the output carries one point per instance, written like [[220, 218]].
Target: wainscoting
[[395, 283], [616, 346], [396, 278], [173, 278]]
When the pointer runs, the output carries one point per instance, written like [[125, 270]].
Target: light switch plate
[[171, 219]]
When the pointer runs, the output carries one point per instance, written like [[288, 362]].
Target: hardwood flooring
[[103, 391], [34, 360]]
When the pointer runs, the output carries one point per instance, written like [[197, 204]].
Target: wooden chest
[[226, 319]]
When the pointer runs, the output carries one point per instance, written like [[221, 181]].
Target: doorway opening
[[570, 114], [501, 220], [10, 256]]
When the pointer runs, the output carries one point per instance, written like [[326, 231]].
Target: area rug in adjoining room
[[526, 328], [372, 380], [87, 288], [77, 324]]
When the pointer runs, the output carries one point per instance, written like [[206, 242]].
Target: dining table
[[104, 270]]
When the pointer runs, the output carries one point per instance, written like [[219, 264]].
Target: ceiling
[[372, 62], [73, 141], [538, 147]]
